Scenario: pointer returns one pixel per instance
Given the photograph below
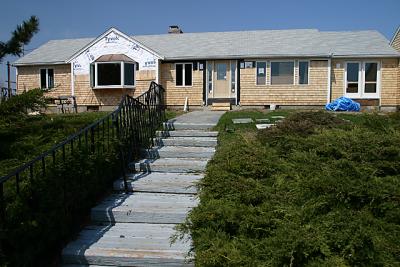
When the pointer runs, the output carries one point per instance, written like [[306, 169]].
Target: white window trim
[[270, 72], [47, 78], [211, 63], [183, 74], [256, 70], [361, 81], [234, 63], [378, 80], [308, 73], [122, 85]]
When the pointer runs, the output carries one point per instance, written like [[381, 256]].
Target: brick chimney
[[175, 29]]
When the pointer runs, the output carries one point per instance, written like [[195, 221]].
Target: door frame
[[361, 80], [229, 67]]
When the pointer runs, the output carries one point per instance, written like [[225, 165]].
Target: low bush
[[314, 191], [19, 105], [50, 208]]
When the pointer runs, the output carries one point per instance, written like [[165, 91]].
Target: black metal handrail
[[132, 125]]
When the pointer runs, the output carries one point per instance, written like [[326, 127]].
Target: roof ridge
[[237, 31]]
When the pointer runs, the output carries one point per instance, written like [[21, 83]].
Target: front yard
[[319, 189]]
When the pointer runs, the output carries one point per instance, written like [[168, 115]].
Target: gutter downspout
[[329, 88]]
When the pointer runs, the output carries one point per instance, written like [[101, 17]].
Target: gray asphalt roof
[[239, 44]]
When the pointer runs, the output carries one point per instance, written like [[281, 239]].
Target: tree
[[20, 37]]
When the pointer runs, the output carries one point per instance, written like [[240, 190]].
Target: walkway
[[134, 229]]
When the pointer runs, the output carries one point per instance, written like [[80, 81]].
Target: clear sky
[[90, 18]]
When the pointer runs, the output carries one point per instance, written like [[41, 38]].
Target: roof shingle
[[236, 44]]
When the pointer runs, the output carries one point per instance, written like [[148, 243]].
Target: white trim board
[[100, 37], [395, 35]]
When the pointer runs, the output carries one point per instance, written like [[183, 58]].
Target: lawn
[[319, 189]]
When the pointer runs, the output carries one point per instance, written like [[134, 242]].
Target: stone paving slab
[[242, 120], [263, 120], [277, 117], [264, 126]]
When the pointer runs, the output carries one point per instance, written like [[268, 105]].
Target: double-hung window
[[303, 72], [46, 78], [183, 74], [261, 73], [282, 72], [361, 79]]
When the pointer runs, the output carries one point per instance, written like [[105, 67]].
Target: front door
[[221, 79]]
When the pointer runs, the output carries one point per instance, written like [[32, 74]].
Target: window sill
[[114, 87]]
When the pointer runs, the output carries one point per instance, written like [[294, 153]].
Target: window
[[108, 74], [46, 78], [362, 79], [129, 74], [183, 75], [221, 71], [112, 74], [261, 73], [210, 76], [233, 76], [352, 77], [303, 72], [282, 72], [371, 75]]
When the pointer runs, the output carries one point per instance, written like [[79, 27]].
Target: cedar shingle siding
[[316, 47]]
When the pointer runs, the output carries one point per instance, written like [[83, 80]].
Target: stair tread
[[160, 182], [186, 148], [194, 133], [147, 202], [173, 164]]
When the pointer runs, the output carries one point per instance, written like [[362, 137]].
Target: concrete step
[[144, 208], [179, 152], [187, 126], [221, 106], [127, 244], [159, 182], [172, 165], [187, 133], [187, 141]]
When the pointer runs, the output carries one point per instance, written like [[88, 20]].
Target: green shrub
[[51, 208], [314, 191], [16, 106]]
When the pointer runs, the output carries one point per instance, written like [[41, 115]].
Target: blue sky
[[90, 18]]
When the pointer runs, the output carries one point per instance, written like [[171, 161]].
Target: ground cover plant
[[319, 189]]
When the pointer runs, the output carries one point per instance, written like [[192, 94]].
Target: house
[[302, 67]]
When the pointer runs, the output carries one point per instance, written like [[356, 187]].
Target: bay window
[[116, 73]]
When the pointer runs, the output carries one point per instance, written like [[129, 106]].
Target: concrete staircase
[[134, 229]]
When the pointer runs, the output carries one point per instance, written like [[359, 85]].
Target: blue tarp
[[343, 104]]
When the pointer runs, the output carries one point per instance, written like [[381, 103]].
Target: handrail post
[[121, 153]]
